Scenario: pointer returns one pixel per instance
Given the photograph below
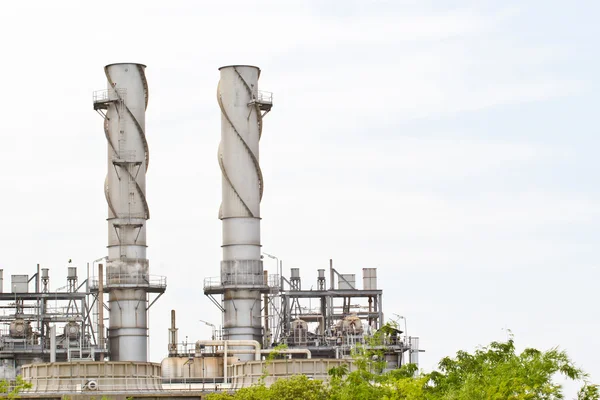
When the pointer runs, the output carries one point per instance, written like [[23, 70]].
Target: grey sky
[[450, 144]]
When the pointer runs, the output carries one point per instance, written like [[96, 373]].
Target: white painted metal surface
[[75, 376], [347, 281], [19, 283], [369, 278], [242, 188], [128, 211]]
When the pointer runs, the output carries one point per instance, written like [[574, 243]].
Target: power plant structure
[[60, 341], [127, 268]]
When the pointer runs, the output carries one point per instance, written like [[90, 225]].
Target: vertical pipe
[[414, 350], [101, 310], [380, 310], [53, 343], [225, 362], [37, 279], [331, 284], [266, 311], [281, 274], [242, 188], [173, 335]]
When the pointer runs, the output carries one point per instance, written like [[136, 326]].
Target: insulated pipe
[[243, 343], [288, 351], [53, 343], [231, 343], [101, 310], [242, 189], [266, 351], [225, 364], [267, 338]]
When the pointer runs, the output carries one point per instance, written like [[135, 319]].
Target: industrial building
[[59, 341]]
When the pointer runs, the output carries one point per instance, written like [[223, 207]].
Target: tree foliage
[[11, 390], [494, 372], [296, 387]]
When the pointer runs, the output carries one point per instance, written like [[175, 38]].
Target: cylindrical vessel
[[125, 190], [242, 186], [71, 330], [175, 368]]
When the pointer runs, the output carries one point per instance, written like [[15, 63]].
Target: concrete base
[[93, 377]]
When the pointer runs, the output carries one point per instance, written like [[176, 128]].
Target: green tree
[[498, 372], [12, 391], [495, 372], [296, 387]]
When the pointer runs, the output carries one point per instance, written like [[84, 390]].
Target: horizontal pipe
[[268, 351], [288, 351], [231, 343]]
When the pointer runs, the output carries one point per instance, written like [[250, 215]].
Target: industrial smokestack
[[242, 188], [127, 278]]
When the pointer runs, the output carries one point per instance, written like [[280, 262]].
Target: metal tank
[[127, 270], [71, 330], [299, 332], [19, 328], [242, 189], [351, 325]]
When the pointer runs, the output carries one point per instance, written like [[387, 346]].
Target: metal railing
[[264, 97], [89, 385], [241, 279], [106, 95], [274, 281], [141, 280], [234, 280], [125, 155]]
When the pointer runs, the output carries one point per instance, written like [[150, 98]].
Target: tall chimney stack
[[242, 107], [123, 105]]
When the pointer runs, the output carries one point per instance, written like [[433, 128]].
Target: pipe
[[232, 343], [266, 308], [101, 309], [53, 343], [266, 351], [331, 284], [316, 317], [288, 351], [173, 336], [225, 364]]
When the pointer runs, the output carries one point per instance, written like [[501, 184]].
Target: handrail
[[155, 281], [106, 95], [265, 97]]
